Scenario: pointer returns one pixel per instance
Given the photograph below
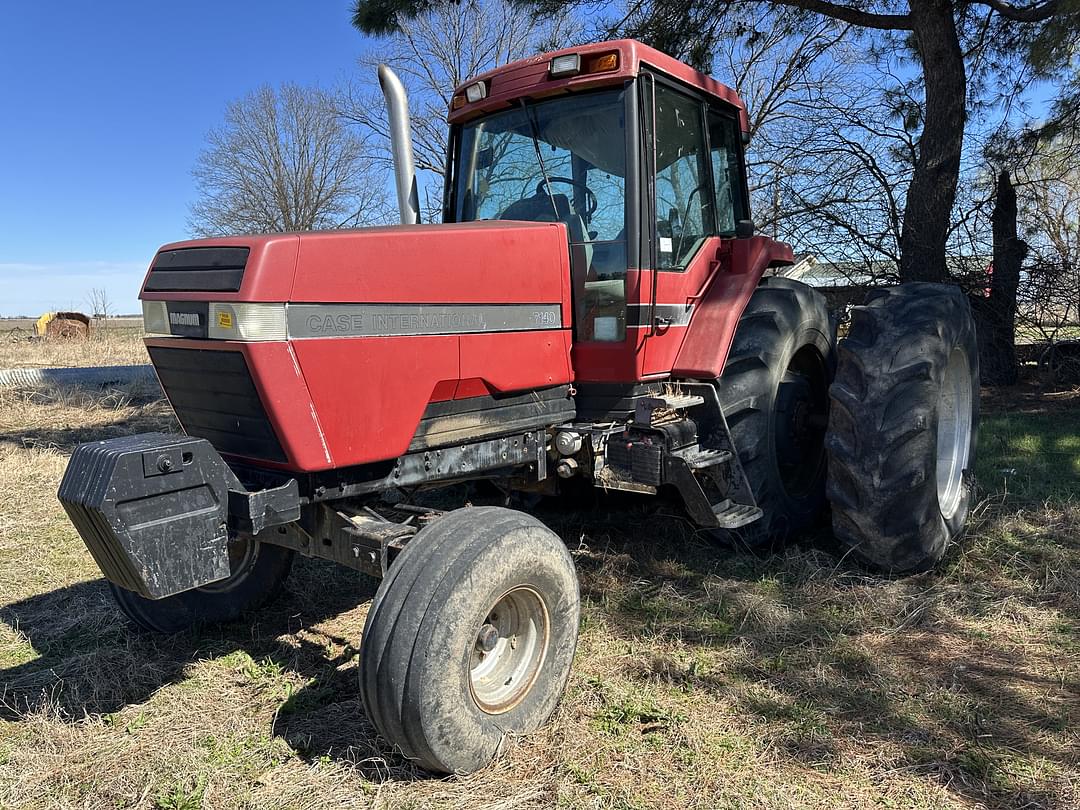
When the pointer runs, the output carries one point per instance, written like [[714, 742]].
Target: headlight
[[225, 321], [155, 318], [566, 65], [247, 321]]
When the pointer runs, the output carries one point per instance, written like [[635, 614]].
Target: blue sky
[[103, 110]]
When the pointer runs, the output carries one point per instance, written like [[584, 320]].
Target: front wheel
[[470, 637], [258, 572], [903, 426]]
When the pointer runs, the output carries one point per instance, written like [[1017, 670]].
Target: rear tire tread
[[781, 317], [882, 484]]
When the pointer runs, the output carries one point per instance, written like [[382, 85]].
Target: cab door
[[697, 197]]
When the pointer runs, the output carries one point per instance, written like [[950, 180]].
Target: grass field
[[112, 346], [705, 678]]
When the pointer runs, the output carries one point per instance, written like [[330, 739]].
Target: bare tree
[[829, 158], [835, 120], [1049, 192], [433, 53], [100, 304], [284, 161]]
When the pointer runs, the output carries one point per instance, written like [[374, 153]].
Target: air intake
[[215, 398], [210, 269]]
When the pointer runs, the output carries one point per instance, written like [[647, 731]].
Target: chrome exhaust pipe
[[397, 108]]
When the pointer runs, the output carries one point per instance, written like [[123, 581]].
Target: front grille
[[215, 398], [207, 269]]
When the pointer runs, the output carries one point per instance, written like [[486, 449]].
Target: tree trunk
[[932, 191], [997, 312]]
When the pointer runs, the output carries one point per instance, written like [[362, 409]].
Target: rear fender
[[712, 328]]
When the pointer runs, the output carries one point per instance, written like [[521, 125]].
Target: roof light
[[476, 92], [569, 64], [602, 63], [457, 102]]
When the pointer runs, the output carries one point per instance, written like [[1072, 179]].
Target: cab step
[[731, 515], [659, 410], [701, 458]]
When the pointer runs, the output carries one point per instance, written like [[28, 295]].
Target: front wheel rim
[[509, 649], [953, 433], [243, 551]]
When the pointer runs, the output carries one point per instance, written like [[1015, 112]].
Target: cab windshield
[[562, 160]]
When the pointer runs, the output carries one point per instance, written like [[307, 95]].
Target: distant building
[[846, 283]]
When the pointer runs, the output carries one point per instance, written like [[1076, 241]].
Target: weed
[[182, 796]]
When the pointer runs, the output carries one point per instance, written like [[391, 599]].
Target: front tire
[[258, 572], [903, 426], [470, 637]]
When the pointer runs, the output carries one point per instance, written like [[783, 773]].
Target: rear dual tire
[[902, 416], [774, 394], [903, 427]]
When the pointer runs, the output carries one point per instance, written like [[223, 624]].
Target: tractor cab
[[560, 160], [644, 167]]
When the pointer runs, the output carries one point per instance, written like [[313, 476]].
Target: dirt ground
[[706, 677]]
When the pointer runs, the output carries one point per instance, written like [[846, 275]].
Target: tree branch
[[855, 16], [1034, 13]]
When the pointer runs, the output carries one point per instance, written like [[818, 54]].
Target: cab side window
[[684, 197], [727, 173]]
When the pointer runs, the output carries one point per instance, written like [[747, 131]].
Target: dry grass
[[113, 346], [705, 678]]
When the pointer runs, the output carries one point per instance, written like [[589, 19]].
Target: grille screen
[[215, 399]]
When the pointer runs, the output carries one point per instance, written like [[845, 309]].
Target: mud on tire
[[903, 425]]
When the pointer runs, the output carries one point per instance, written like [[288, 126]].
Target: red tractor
[[594, 310]]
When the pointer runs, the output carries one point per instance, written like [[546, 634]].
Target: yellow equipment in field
[[42, 323], [62, 325]]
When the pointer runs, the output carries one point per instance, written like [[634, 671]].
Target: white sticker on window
[[665, 244], [605, 327]]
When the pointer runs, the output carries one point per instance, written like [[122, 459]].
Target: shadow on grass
[[89, 660], [948, 674], [66, 417], [824, 659]]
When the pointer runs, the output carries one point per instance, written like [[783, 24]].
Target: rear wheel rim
[[509, 650], [953, 433]]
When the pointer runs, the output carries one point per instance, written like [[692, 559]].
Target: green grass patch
[[182, 795], [1031, 457]]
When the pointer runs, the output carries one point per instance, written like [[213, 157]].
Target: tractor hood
[[470, 264], [316, 350]]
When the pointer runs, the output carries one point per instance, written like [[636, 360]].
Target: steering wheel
[[700, 188], [591, 203]]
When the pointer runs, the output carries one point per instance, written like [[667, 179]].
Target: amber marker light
[[602, 63]]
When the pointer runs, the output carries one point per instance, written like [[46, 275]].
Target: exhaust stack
[[397, 107]]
